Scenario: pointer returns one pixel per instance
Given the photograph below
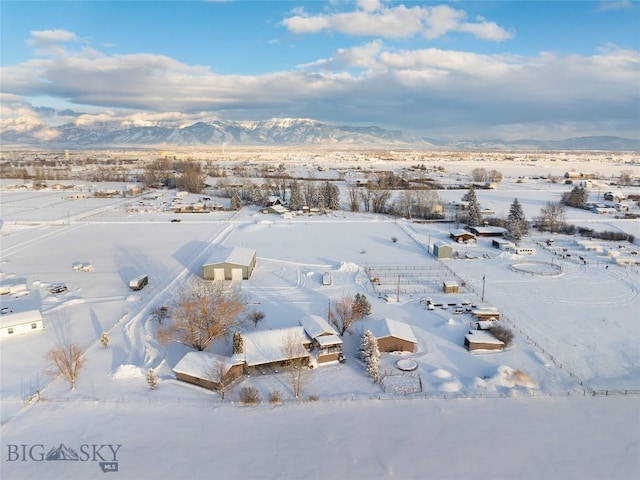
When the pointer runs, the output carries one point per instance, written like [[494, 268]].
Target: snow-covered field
[[573, 414]]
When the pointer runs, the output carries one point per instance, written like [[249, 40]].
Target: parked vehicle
[[59, 288], [139, 282]]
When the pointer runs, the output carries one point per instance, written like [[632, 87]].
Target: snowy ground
[[576, 336]]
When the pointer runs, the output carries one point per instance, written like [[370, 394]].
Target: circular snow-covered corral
[[406, 365]]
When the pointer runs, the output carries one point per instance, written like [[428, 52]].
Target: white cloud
[[372, 18], [42, 39], [425, 89], [608, 5]]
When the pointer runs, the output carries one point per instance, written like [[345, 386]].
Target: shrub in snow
[[104, 339], [394, 239], [275, 397], [152, 379], [503, 334], [314, 398], [249, 395]]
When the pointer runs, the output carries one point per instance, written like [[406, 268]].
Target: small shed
[[394, 336], [462, 236], [235, 265], [201, 368], [502, 244], [442, 250], [450, 286], [486, 314], [482, 340]]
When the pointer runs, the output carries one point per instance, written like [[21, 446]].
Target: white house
[[18, 322]]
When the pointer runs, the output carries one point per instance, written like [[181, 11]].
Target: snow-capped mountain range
[[276, 131]]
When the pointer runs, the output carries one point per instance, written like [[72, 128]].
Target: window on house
[[34, 326], [10, 330]]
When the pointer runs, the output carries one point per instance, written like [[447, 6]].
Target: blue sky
[[493, 69]]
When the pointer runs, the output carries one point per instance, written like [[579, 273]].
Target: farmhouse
[[442, 250], [462, 236], [482, 340], [266, 347], [327, 345], [393, 336], [202, 369], [236, 265]]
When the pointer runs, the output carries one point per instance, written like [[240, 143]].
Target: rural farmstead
[[235, 265]]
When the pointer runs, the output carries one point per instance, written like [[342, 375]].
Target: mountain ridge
[[271, 132]]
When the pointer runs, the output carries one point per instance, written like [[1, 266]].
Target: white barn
[[19, 322]]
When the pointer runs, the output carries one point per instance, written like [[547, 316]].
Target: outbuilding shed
[[450, 286], [488, 231], [394, 336], [482, 340], [235, 265], [462, 236], [442, 250]]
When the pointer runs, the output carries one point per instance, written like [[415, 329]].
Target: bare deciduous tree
[[202, 312], [479, 174], [354, 198], [552, 217], [67, 361], [297, 362], [343, 313], [218, 374]]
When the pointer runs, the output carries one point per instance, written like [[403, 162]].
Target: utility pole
[[398, 292], [483, 282]]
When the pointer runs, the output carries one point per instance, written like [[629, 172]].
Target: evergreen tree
[[370, 355], [238, 343], [236, 203], [362, 306], [296, 200], [331, 196], [517, 225], [475, 219]]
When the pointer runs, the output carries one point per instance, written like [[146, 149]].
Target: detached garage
[[235, 265], [394, 336]]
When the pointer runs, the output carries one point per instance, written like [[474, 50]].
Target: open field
[[575, 337]]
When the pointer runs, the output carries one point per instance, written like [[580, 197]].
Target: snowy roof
[[392, 328], [489, 229], [237, 256], [329, 340], [315, 326], [482, 336], [18, 318], [450, 283], [265, 346], [200, 364], [459, 231]]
